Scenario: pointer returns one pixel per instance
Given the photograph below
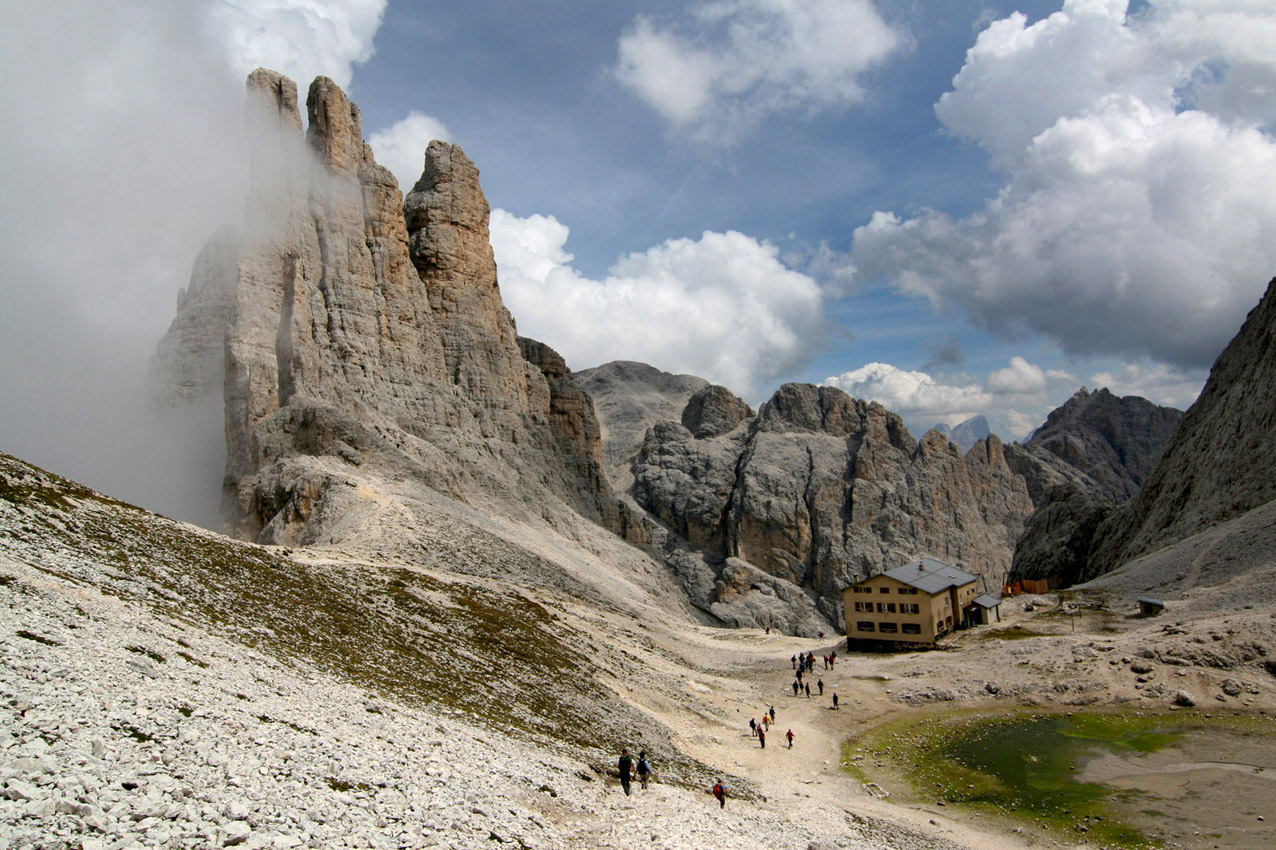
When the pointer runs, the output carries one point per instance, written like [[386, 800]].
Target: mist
[[123, 152]]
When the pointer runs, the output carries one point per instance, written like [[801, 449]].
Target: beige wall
[[936, 615]]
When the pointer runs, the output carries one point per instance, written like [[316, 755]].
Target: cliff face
[[1093, 453], [1221, 461], [348, 327], [816, 490]]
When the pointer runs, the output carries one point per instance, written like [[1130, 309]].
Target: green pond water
[[1023, 766]]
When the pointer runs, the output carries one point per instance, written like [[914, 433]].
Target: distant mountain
[[965, 434], [1115, 441]]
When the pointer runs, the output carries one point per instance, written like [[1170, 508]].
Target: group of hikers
[[759, 729], [629, 767]]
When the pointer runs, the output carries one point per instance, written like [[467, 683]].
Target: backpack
[[643, 767]]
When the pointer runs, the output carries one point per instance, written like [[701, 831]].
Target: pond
[[1133, 779]]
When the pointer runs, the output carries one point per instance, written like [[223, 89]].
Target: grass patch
[[149, 653], [495, 656], [32, 636], [1023, 765]]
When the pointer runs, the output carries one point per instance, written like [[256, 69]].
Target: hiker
[[793, 660], [720, 791], [808, 690], [626, 767], [835, 699], [753, 727], [795, 687], [820, 683], [762, 738], [771, 708], [833, 659], [789, 735], [644, 768]]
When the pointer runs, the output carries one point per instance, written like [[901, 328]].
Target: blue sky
[[954, 207]]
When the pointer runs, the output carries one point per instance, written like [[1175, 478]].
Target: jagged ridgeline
[[375, 390]]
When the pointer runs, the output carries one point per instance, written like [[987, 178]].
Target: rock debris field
[[124, 729]]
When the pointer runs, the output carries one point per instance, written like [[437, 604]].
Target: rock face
[[631, 397], [1092, 453], [816, 490], [360, 329], [1221, 461], [1114, 441]]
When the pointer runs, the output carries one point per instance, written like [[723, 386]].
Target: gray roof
[[988, 601], [930, 576]]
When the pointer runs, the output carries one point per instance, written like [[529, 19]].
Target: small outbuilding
[[987, 610], [1149, 607]]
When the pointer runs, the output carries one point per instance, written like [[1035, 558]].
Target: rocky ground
[[145, 703]]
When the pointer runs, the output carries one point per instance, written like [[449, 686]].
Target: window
[[888, 627], [939, 627], [865, 626], [886, 607], [864, 607], [912, 628], [884, 589], [909, 608], [908, 590]]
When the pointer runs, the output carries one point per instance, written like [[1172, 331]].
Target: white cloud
[[1015, 399], [1019, 377], [1133, 220], [1156, 382], [739, 60], [302, 39], [722, 307], [914, 395], [401, 147]]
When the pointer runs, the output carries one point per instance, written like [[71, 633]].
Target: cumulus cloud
[[401, 146], [1015, 399], [732, 62], [722, 307], [302, 39], [1138, 209]]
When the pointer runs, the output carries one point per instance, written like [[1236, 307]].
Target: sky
[[953, 207]]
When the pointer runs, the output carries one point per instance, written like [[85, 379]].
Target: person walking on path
[[753, 727], [644, 768], [835, 699], [789, 735], [720, 791], [808, 690], [821, 685], [626, 768], [762, 738], [771, 708], [795, 687], [793, 661]]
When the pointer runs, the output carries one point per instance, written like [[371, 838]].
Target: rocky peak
[[362, 333], [816, 491], [714, 411], [335, 129]]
